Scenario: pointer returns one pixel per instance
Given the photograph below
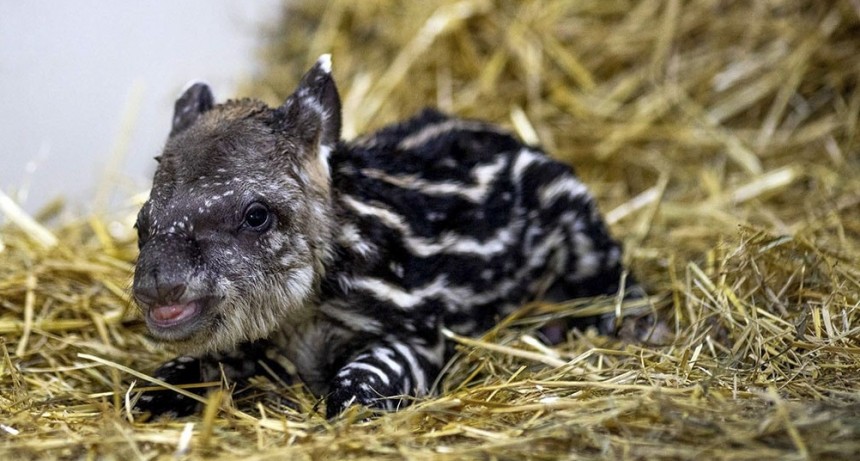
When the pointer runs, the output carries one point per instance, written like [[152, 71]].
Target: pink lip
[[173, 314]]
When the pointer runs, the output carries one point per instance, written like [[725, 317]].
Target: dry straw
[[721, 138]]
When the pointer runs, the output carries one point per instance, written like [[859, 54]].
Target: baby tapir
[[266, 237]]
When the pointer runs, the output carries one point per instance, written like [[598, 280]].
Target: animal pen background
[[721, 140]]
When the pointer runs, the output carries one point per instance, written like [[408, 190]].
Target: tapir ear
[[313, 110], [196, 99]]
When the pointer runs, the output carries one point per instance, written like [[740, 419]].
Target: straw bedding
[[721, 139]]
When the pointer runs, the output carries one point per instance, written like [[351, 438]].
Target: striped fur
[[434, 222]]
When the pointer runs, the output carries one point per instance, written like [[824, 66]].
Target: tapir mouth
[[182, 323], [173, 315]]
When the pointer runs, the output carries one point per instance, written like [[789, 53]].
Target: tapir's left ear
[[195, 100], [313, 110]]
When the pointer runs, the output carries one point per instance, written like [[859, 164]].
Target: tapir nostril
[[175, 292], [145, 296]]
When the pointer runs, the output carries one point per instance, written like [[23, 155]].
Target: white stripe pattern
[[447, 242], [420, 387], [483, 175], [358, 365]]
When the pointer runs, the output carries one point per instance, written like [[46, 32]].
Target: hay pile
[[721, 139]]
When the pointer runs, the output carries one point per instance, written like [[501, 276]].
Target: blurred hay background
[[721, 139]]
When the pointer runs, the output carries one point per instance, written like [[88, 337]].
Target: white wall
[[69, 70]]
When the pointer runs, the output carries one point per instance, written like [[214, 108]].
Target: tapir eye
[[257, 217]]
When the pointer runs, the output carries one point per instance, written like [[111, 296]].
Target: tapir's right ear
[[313, 110], [195, 100]]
